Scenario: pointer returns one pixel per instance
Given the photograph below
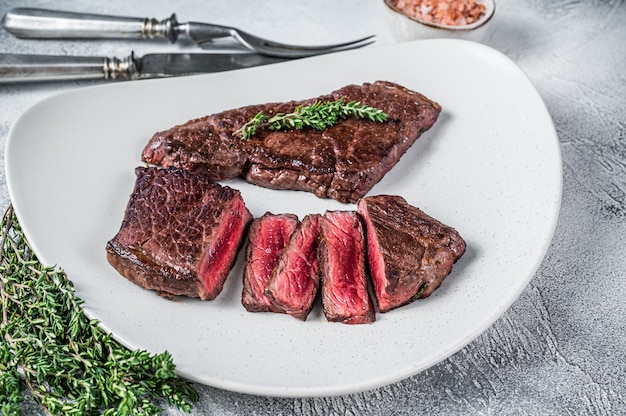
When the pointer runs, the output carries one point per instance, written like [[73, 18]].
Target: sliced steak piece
[[409, 252], [267, 238], [342, 162], [294, 283], [341, 253], [180, 233]]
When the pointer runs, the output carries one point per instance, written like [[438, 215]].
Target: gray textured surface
[[561, 348]]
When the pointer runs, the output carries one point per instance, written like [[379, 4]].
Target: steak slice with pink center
[[295, 281], [180, 234], [341, 254], [267, 238]]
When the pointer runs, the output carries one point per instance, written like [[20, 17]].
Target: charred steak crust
[[294, 283], [341, 252], [180, 233], [267, 237], [343, 162], [409, 252]]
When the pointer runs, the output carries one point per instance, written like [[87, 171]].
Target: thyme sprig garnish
[[320, 115], [70, 365]]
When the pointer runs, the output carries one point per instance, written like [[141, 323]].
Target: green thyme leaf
[[70, 365], [420, 291], [249, 129], [319, 116]]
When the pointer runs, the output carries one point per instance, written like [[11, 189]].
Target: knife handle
[[31, 68], [30, 23]]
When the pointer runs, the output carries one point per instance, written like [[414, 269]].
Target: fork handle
[[30, 23]]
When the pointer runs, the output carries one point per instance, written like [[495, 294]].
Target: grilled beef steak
[[409, 252], [342, 162], [267, 238], [341, 252], [294, 283], [180, 233]]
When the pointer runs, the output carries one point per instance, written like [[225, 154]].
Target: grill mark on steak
[[409, 252], [342, 162], [180, 233], [267, 238], [341, 252], [294, 283]]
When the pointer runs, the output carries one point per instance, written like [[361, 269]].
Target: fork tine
[[268, 47], [319, 48]]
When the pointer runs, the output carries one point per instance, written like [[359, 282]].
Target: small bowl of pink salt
[[440, 18]]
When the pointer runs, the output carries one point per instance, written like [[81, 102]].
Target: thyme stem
[[319, 115]]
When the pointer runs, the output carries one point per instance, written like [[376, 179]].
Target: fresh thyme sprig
[[320, 115], [70, 365]]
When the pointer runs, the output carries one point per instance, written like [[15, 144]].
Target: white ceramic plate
[[490, 167]]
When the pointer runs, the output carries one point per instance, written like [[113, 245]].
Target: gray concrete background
[[561, 347]]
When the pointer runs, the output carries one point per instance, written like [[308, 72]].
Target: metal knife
[[30, 68]]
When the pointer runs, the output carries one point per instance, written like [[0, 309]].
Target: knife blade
[[36, 68]]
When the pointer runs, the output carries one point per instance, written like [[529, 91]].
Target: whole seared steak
[[342, 162], [267, 238], [295, 280], [409, 252], [180, 233], [341, 252]]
